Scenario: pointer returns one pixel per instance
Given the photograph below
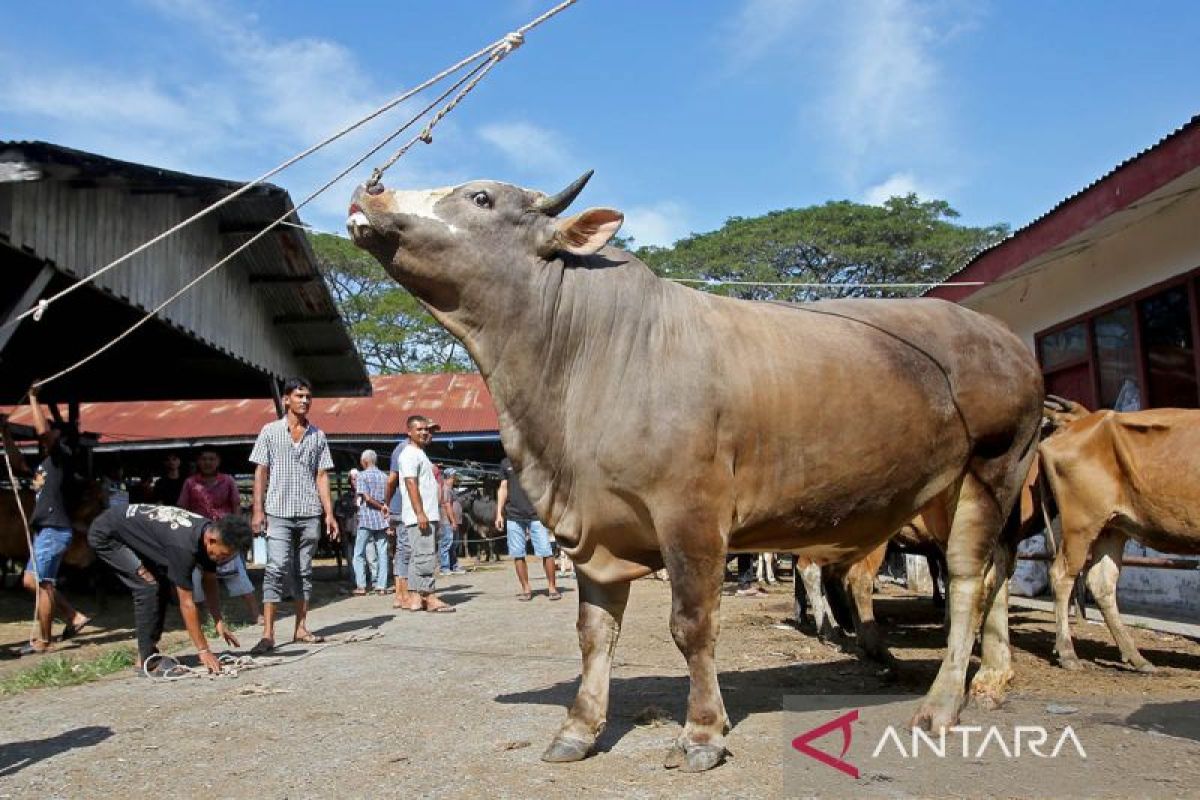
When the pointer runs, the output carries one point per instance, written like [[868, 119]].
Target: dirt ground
[[463, 705]]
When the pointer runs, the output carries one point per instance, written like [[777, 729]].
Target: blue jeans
[[538, 535], [364, 538], [447, 555], [49, 547]]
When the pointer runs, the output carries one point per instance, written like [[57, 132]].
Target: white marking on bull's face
[[421, 204]]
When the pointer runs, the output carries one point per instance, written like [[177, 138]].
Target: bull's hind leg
[[977, 520], [995, 670], [695, 622], [1102, 582], [1072, 555], [601, 608]]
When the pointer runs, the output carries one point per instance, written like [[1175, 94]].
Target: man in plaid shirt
[[372, 525], [291, 494]]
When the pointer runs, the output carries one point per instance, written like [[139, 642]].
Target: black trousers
[[747, 569], [150, 598]]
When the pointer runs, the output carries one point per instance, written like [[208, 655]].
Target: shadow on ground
[[16, 756]]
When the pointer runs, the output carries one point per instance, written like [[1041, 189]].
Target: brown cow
[[1117, 476], [654, 425]]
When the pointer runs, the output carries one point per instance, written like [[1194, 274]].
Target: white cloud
[[660, 224], [897, 185], [529, 147], [874, 90]]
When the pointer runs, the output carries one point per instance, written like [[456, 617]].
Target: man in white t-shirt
[[419, 516]]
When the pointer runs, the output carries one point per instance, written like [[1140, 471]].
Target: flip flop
[[263, 647], [310, 638], [359, 593], [442, 610], [30, 650], [73, 630], [554, 595], [525, 597]]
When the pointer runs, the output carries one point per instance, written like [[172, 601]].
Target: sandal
[[359, 593], [73, 629], [442, 609], [309, 638], [31, 649], [263, 647], [525, 597], [554, 595]]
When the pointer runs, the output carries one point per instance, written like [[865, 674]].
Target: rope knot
[[42, 305], [511, 42]]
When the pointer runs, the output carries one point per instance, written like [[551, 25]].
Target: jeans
[[538, 536], [49, 547], [424, 558], [150, 598], [447, 552], [291, 543], [232, 575], [375, 541]]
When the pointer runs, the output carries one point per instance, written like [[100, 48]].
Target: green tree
[[392, 331], [906, 240]]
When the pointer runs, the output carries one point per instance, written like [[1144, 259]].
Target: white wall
[[1161, 245]]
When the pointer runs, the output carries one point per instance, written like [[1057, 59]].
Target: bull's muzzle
[[357, 223]]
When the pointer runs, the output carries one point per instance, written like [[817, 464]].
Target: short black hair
[[408, 423], [292, 384], [235, 531], [207, 448]]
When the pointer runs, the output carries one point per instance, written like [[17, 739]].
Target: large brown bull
[[1118, 476], [652, 424]]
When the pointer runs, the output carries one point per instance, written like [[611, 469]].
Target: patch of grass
[[59, 671]]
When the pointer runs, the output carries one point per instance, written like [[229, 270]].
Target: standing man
[[419, 516], [291, 493], [168, 486], [212, 494], [451, 512], [372, 525], [154, 549], [516, 516], [50, 525]]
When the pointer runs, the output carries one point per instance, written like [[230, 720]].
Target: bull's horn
[[553, 206], [1057, 403]]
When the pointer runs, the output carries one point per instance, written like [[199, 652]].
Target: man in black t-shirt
[[516, 516], [56, 485], [154, 549]]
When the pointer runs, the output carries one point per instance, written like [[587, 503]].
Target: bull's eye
[[481, 199]]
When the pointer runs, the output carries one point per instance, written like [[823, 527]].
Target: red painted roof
[[459, 402], [1130, 181]]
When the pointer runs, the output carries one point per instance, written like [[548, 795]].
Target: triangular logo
[[801, 743]]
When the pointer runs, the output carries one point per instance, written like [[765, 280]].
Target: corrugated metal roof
[[459, 402], [301, 332], [1157, 165]]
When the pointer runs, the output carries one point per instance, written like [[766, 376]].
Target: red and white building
[[1105, 288]]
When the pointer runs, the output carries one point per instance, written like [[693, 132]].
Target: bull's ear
[[585, 233]]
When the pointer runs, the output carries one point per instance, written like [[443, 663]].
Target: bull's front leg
[[696, 579], [601, 608]]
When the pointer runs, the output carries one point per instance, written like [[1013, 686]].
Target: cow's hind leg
[[695, 622], [860, 580], [995, 669], [601, 608], [1102, 582], [977, 520]]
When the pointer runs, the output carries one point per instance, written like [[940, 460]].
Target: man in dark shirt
[[169, 485], [516, 516], [50, 525], [154, 549]]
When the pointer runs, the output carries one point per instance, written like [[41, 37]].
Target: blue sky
[[690, 112]]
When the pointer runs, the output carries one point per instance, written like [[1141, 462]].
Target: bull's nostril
[[375, 188]]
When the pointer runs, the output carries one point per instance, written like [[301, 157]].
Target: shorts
[[232, 574], [49, 547], [538, 534]]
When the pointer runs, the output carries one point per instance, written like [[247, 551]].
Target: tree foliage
[[906, 240], [391, 329]]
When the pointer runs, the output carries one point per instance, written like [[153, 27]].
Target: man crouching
[[154, 549]]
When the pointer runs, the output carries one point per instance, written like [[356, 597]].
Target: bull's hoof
[[934, 719], [989, 687], [1070, 662], [563, 750], [695, 758], [1143, 666]]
